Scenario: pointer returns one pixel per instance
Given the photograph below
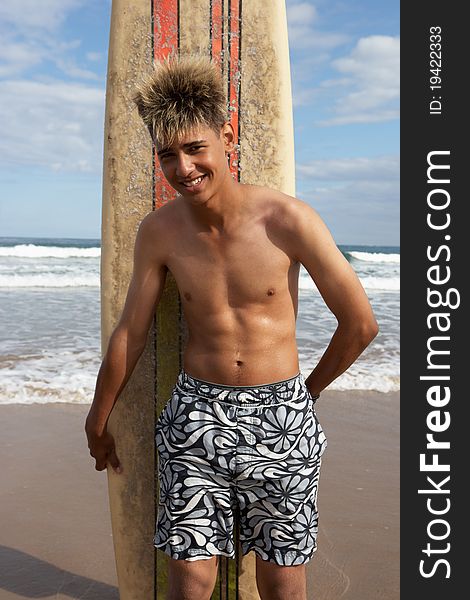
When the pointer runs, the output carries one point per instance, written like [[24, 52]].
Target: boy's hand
[[103, 450]]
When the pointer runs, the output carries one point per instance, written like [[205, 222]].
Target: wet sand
[[359, 499], [56, 539]]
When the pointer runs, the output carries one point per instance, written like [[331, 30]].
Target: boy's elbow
[[123, 339], [368, 331], [360, 330]]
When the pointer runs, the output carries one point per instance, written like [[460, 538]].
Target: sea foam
[[49, 280], [33, 251], [375, 257]]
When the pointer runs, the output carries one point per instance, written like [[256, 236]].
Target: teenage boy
[[240, 431]]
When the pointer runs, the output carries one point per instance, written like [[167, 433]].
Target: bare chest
[[238, 270]]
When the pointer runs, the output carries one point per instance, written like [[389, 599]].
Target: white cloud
[[357, 197], [55, 125], [310, 48], [382, 168], [94, 56], [303, 32], [302, 68], [34, 14], [16, 56], [302, 96], [30, 36], [359, 211], [69, 67], [301, 14], [371, 74]]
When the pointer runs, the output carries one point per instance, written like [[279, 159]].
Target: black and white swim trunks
[[253, 451]]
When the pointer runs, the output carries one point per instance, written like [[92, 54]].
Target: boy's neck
[[222, 209]]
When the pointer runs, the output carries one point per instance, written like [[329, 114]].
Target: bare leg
[[191, 579], [276, 582]]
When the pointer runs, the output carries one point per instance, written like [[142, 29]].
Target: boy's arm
[[128, 339], [337, 282]]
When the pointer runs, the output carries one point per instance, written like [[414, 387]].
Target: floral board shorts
[[245, 455]]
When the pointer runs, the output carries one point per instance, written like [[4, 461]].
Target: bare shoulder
[[293, 221], [280, 207], [161, 217], [155, 231], [292, 211]]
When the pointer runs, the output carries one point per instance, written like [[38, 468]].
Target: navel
[[270, 292]]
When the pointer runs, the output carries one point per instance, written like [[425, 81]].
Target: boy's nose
[[184, 166]]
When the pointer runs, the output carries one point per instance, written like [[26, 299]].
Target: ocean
[[50, 320]]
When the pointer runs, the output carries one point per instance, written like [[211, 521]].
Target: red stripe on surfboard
[[165, 42], [233, 55], [165, 28], [234, 78]]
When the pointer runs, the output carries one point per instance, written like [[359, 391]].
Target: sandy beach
[[56, 540]]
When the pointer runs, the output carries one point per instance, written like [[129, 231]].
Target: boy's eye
[[165, 155]]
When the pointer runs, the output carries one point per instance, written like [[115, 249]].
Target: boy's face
[[195, 165]]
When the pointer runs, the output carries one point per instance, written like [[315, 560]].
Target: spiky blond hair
[[180, 94]]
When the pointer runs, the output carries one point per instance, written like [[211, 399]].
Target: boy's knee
[[191, 580], [277, 582]]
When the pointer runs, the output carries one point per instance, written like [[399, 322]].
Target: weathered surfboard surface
[[249, 41]]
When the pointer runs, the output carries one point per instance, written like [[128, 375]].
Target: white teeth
[[193, 182]]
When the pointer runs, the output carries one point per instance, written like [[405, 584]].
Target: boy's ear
[[228, 137]]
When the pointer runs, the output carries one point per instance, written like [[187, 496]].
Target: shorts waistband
[[265, 393]]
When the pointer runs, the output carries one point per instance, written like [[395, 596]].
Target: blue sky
[[345, 77]]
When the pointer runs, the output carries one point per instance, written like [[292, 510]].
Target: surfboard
[[248, 40]]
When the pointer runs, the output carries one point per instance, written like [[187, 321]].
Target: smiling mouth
[[193, 182]]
